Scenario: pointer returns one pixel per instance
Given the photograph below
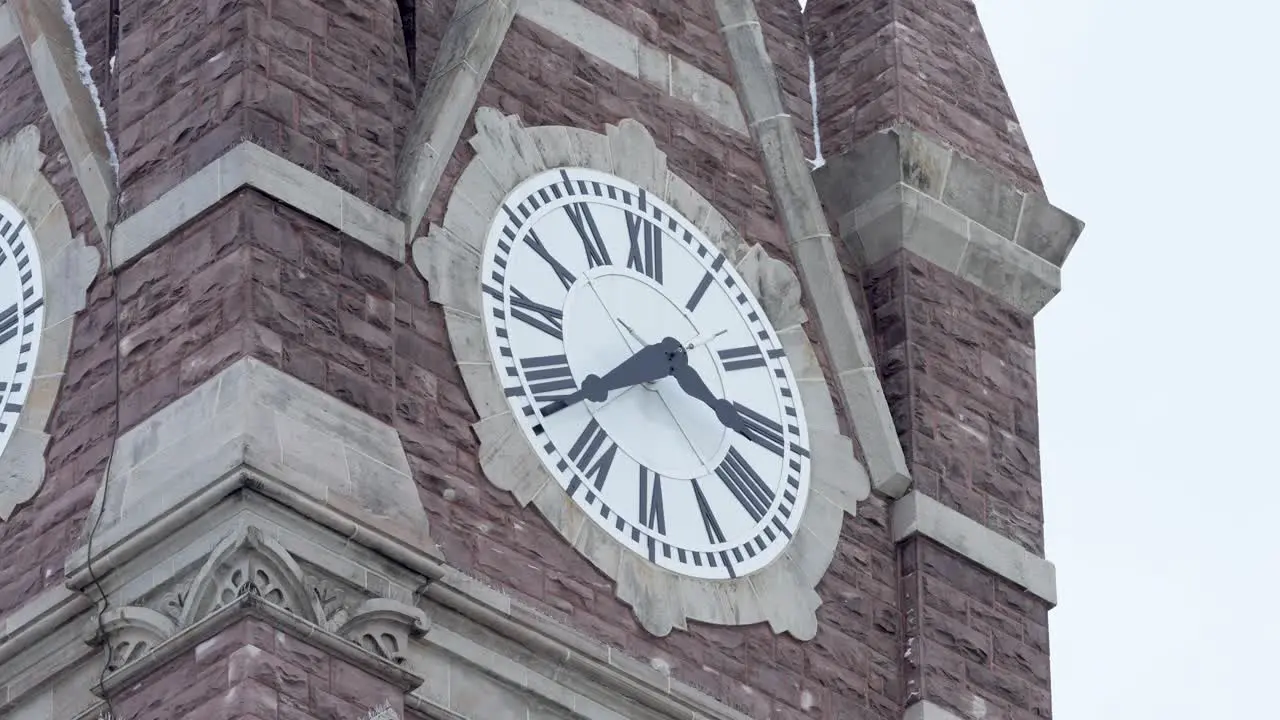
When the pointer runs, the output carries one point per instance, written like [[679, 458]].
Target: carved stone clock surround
[[69, 266], [782, 593]]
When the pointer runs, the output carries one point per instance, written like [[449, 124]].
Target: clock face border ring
[[782, 593], [68, 266]]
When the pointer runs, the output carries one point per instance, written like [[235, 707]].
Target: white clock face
[[644, 373], [21, 315]]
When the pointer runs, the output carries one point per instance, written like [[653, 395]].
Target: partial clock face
[[644, 373], [21, 315]]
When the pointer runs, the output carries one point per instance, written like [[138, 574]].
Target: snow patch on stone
[[383, 712], [86, 78], [817, 160]]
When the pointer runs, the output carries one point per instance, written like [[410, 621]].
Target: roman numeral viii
[[593, 453], [745, 484], [646, 247]]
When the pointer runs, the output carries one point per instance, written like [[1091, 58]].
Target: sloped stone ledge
[[917, 514], [899, 189], [250, 165], [253, 424]]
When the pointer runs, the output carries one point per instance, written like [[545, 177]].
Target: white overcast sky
[[1154, 121]]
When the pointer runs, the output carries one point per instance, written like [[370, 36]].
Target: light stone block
[[978, 193], [1012, 273], [1047, 231], [276, 425], [718, 100], [925, 710], [920, 514], [636, 156], [8, 26], [452, 270]]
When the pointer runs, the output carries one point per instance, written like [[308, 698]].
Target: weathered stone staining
[[266, 429]]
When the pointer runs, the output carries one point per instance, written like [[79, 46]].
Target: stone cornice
[[917, 514], [901, 190], [250, 165], [925, 710]]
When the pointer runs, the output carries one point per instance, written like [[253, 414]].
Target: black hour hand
[[649, 363], [691, 382]]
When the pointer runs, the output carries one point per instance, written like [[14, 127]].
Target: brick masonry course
[[925, 63], [324, 84], [36, 539], [251, 670]]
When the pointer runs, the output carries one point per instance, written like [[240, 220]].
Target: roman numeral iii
[[646, 247], [745, 484]]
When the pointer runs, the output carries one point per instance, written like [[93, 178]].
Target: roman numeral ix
[[646, 247], [593, 453]]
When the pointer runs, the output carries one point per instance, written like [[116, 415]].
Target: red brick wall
[[320, 82], [959, 371], [925, 63], [251, 670], [35, 540]]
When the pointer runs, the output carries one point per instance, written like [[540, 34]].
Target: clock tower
[[525, 359]]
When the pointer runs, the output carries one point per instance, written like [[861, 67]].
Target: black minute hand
[[691, 382], [649, 363]]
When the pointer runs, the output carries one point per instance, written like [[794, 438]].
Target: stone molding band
[[925, 710], [917, 514], [902, 190], [250, 165], [624, 50], [812, 247]]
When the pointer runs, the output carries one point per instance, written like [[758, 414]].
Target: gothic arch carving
[[132, 632], [248, 561], [384, 627]]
